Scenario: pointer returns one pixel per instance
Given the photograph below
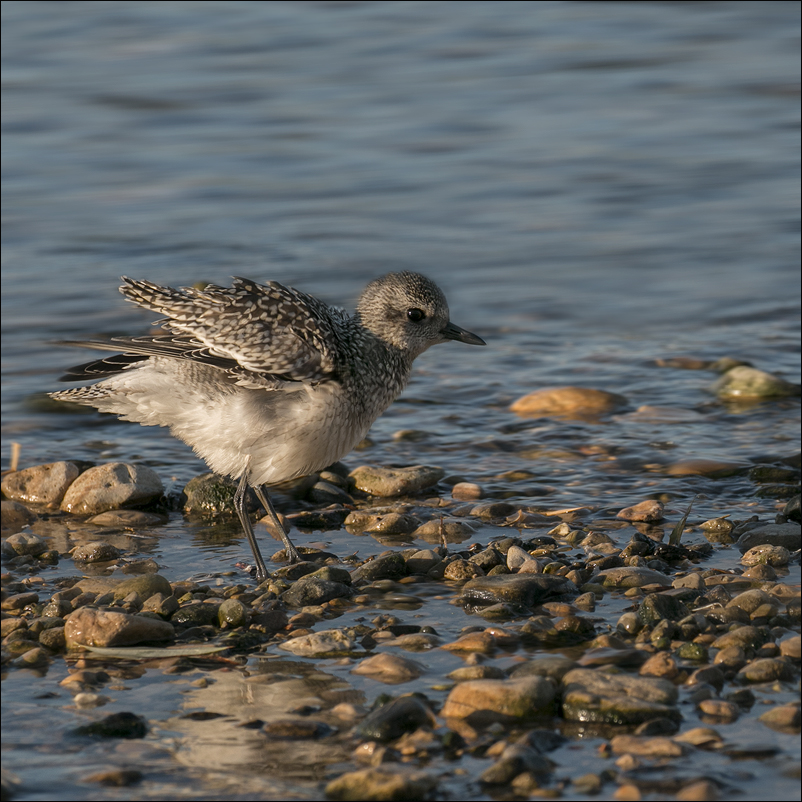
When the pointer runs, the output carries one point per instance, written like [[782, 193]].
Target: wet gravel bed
[[485, 648]]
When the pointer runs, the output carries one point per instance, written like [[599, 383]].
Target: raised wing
[[266, 329]]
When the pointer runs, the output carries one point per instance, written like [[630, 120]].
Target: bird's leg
[[292, 552], [239, 506]]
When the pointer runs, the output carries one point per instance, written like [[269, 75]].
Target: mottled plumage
[[265, 382]]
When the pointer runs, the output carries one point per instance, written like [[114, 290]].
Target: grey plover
[[264, 382]]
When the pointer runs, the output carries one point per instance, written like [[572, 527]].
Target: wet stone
[[115, 778], [196, 614], [381, 785], [632, 577], [392, 720], [385, 566], [330, 642], [661, 606], [514, 760], [453, 529], [484, 701], [646, 747], [595, 697], [785, 718], [569, 402], [91, 627], [391, 482], [776, 556], [134, 519], [791, 648], [460, 570], [162, 605], [41, 484], [107, 487], [787, 535], [487, 558], [144, 586], [19, 601], [312, 590], [477, 642], [714, 468], [327, 493], [27, 543], [555, 666], [719, 708], [744, 382], [492, 510], [392, 523], [15, 515], [54, 639], [768, 669], [750, 600], [117, 725], [761, 573], [646, 511], [96, 551], [423, 561], [466, 491], [296, 730], [232, 613], [210, 494], [388, 668], [523, 590], [467, 673]]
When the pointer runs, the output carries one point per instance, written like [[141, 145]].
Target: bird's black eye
[[416, 315]]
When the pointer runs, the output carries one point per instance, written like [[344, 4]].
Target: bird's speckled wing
[[266, 329]]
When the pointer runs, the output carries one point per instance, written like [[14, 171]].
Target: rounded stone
[[107, 487]]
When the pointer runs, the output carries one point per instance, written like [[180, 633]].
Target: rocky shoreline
[[571, 630]]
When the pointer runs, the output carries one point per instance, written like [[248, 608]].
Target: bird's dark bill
[[454, 332]]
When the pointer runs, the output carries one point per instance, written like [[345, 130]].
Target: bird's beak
[[454, 332]]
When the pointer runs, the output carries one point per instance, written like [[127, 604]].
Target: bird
[[264, 382]]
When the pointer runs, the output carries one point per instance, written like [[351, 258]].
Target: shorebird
[[264, 382]]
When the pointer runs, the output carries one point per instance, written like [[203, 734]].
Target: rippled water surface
[[595, 186]]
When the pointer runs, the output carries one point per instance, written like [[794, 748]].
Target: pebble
[[396, 717], [91, 627], [15, 515], [646, 747], [96, 551], [117, 725], [388, 668], [647, 511], [714, 468], [392, 482], [595, 697], [486, 700], [26, 543], [525, 590], [719, 708], [452, 529], [568, 402], [783, 717], [787, 535], [41, 484], [109, 486], [132, 519], [115, 778], [466, 491], [382, 785], [748, 383], [327, 643], [631, 577]]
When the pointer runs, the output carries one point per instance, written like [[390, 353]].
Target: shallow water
[[595, 186]]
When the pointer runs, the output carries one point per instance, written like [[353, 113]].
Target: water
[[594, 186]]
